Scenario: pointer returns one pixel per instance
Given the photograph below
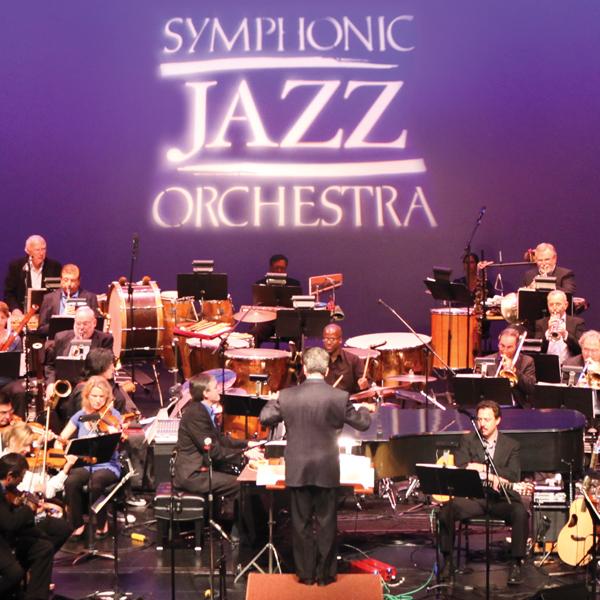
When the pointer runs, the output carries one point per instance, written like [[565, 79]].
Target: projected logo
[[290, 123]]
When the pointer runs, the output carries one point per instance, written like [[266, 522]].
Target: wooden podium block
[[286, 587]]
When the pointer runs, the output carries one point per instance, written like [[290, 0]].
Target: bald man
[[342, 363], [29, 271]]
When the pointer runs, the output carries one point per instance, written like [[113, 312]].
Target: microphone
[[465, 412], [482, 211], [25, 267], [135, 244], [207, 443]]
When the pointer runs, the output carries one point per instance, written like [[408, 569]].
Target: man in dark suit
[[524, 368], [505, 455], [30, 271], [545, 259], [313, 413], [560, 332], [55, 303], [590, 349]]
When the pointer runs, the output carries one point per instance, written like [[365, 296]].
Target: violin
[[35, 503]]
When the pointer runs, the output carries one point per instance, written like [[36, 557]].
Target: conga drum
[[464, 336], [400, 352]]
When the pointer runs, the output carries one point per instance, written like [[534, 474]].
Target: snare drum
[[399, 352], [201, 355], [219, 311], [256, 361], [144, 336], [175, 310]]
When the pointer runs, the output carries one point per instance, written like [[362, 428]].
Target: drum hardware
[[254, 315]]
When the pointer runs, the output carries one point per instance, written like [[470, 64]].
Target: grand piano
[[398, 438]]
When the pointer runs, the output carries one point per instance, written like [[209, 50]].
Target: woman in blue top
[[95, 397]]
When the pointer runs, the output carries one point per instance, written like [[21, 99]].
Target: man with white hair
[[590, 349], [29, 271], [560, 332], [545, 260]]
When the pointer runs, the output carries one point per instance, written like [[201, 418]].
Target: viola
[[37, 504]]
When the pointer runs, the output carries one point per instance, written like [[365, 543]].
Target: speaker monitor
[[549, 519]]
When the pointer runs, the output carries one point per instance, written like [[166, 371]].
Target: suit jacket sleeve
[[526, 375], [271, 413], [359, 419], [567, 282], [12, 521]]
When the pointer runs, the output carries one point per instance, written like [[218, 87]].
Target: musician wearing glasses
[[545, 260], [470, 454], [590, 350], [345, 369], [516, 366], [28, 272], [560, 332]]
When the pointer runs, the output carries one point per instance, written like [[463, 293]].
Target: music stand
[[547, 367], [10, 365], [274, 295], [202, 286], [101, 448], [70, 369], [469, 391], [59, 323], [243, 406], [448, 481], [301, 323]]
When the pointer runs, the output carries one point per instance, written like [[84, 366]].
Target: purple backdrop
[[499, 102]]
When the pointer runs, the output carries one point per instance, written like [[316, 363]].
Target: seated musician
[[523, 369], [471, 276], [84, 328], [196, 426], [590, 349], [28, 272], [262, 332], [56, 302], [342, 364], [14, 389], [560, 332], [505, 454], [34, 544], [96, 399], [545, 260]]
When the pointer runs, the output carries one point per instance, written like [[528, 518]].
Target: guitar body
[[575, 539], [445, 460]]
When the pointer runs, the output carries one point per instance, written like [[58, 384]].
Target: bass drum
[[399, 353], [137, 327], [175, 310]]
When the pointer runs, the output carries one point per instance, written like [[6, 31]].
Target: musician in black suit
[[55, 303], [524, 368], [560, 332], [28, 272], [505, 454], [590, 349], [546, 258], [313, 413]]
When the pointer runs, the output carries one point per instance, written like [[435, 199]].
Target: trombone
[[509, 371]]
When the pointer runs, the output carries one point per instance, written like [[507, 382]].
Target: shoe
[[139, 502], [100, 535], [514, 576], [326, 581], [78, 536], [306, 581]]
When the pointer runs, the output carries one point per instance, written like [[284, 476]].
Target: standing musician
[[560, 332], [313, 413], [97, 400], [505, 454], [28, 272], [523, 369], [342, 363], [34, 544], [545, 259], [191, 464], [55, 303]]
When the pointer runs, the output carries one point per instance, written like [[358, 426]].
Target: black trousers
[[75, 497], [11, 571], [514, 513], [314, 550]]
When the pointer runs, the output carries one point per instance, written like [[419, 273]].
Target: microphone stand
[[172, 519], [134, 251], [427, 351], [489, 462]]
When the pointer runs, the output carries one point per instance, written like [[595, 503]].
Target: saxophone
[[480, 298]]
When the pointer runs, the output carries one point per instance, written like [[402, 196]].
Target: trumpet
[[555, 328], [62, 389]]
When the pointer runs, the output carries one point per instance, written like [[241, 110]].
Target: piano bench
[[465, 524], [187, 507]]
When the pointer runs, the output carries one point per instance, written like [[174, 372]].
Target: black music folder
[[469, 390], [449, 481], [100, 447], [10, 364], [274, 295], [547, 367], [202, 286], [71, 369], [301, 321], [562, 396]]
